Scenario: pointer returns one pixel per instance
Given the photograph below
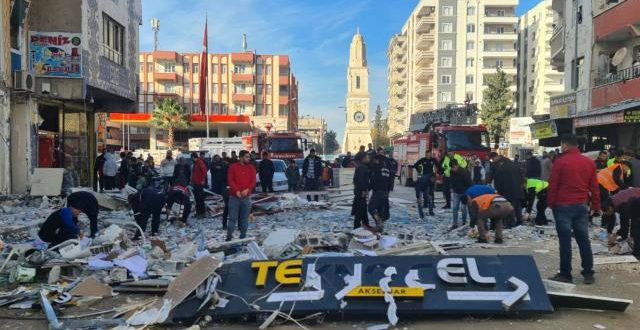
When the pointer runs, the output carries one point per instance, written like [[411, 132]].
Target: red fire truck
[[440, 131], [279, 145]]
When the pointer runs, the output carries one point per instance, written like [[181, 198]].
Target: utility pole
[[155, 27]]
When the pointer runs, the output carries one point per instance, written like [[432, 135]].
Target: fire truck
[[279, 145], [449, 129]]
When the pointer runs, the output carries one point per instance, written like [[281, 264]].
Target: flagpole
[[206, 78]]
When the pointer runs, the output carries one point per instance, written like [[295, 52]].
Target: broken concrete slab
[[91, 287], [581, 301], [615, 260], [558, 286], [46, 181], [278, 241], [194, 275]]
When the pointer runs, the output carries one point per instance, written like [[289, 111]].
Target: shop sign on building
[[416, 285], [598, 120], [519, 131], [632, 116], [55, 54], [563, 106], [544, 130]]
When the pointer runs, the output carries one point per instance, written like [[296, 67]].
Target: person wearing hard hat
[[537, 188]]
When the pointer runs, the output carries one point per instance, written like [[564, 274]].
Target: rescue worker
[[537, 188], [361, 185], [445, 170], [62, 224], [381, 183], [144, 204], [627, 204], [425, 168], [489, 206], [601, 161], [610, 181], [181, 195]]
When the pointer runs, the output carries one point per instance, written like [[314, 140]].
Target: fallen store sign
[[411, 285]]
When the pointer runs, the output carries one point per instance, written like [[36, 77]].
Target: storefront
[[549, 130], [617, 126]]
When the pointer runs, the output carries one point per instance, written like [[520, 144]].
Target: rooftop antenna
[[244, 42], [155, 27]]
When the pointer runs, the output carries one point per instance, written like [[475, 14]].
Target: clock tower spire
[[358, 128]]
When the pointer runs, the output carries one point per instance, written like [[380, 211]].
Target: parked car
[[280, 183]]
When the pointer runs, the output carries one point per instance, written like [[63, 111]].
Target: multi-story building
[[537, 79], [247, 91], [313, 128], [67, 71], [5, 93], [452, 48]]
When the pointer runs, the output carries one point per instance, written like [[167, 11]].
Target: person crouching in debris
[[62, 224], [241, 178], [181, 195], [610, 181], [627, 204], [484, 206], [381, 185], [361, 179], [144, 204], [537, 188]]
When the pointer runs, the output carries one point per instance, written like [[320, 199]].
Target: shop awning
[[197, 121], [548, 131], [606, 116]]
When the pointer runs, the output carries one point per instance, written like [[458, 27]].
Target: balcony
[[617, 21], [400, 90], [242, 57], [425, 41], [424, 75], [616, 88], [424, 92], [161, 96], [243, 98], [425, 24], [494, 52], [243, 78], [424, 59], [557, 48], [283, 80], [496, 19], [491, 69], [171, 76], [506, 36], [165, 56], [423, 106]]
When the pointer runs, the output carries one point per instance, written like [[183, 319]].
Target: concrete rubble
[[182, 261]]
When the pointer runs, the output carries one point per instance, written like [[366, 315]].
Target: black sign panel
[[357, 285]]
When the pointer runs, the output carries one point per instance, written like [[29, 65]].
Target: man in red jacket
[[198, 182], [241, 179], [572, 185]]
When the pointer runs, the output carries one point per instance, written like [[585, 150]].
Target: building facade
[[452, 48], [358, 128], [247, 91], [538, 81], [313, 128], [68, 70], [5, 94]]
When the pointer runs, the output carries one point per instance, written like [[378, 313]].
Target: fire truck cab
[[279, 145]]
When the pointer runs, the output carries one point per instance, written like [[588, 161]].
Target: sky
[[314, 33]]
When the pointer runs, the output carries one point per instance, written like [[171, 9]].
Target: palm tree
[[169, 115]]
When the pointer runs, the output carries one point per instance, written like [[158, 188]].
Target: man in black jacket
[[381, 183], [311, 172], [460, 182], [533, 167], [219, 167], [145, 204], [182, 173], [265, 172], [361, 185], [425, 167], [509, 182]]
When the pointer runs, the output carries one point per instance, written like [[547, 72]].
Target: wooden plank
[[615, 260], [572, 300], [46, 181]]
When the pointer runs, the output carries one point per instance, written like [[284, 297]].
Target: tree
[[497, 106], [330, 142], [380, 130], [169, 115]]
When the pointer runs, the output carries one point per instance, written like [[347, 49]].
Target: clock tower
[[358, 126]]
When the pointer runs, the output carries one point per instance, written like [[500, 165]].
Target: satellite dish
[[619, 56]]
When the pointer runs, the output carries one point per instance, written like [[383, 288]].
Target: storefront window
[[75, 148]]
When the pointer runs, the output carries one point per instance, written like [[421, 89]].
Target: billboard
[[563, 106], [55, 54]]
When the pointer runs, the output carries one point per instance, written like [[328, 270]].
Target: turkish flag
[[204, 72]]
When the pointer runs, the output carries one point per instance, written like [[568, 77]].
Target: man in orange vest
[[489, 206], [611, 180]]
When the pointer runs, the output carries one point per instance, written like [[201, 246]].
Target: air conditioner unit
[[23, 81]]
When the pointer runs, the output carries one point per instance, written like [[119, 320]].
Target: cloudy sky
[[314, 33]]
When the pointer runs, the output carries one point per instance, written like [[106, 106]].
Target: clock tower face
[[358, 117]]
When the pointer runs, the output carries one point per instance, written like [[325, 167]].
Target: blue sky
[[314, 33]]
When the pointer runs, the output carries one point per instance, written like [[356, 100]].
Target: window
[[196, 89], [140, 107], [214, 68], [499, 63], [112, 39], [284, 90], [150, 107], [500, 30], [533, 36], [195, 67], [446, 62], [214, 88], [141, 66], [468, 96], [223, 88], [533, 68], [185, 66], [471, 11], [445, 79], [471, 45], [445, 96], [223, 109], [169, 88], [240, 88], [447, 11], [269, 90], [239, 108], [141, 88], [149, 87], [268, 69], [186, 90], [239, 68], [501, 12], [357, 82], [447, 45], [259, 109], [168, 67], [284, 110], [471, 28], [447, 28], [268, 110], [533, 52], [469, 79], [577, 79], [259, 89], [196, 108], [149, 67], [470, 63]]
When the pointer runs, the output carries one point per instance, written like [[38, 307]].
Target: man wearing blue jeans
[[241, 178], [573, 184], [460, 182]]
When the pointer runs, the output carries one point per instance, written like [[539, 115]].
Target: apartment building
[[246, 91], [452, 48], [538, 81], [314, 128]]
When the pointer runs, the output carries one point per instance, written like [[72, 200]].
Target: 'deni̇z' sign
[[418, 284]]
